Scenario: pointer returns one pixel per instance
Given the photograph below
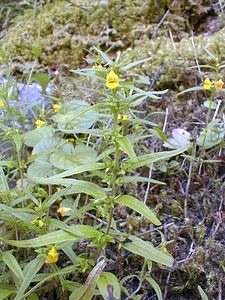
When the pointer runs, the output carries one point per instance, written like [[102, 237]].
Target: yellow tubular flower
[[40, 223], [97, 67], [122, 117], [56, 107], [219, 84], [112, 81], [62, 211], [207, 84], [70, 140], [2, 104], [52, 256], [39, 123]]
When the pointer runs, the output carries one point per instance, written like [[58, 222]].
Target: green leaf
[[127, 146], [82, 154], [192, 89], [40, 169], [134, 179], [36, 51], [202, 293], [13, 265], [63, 271], [33, 296], [3, 180], [48, 202], [44, 240], [31, 138], [5, 293], [86, 291], [68, 250], [48, 143], [139, 207], [42, 79], [153, 157], [29, 272], [80, 231], [69, 233], [77, 186], [144, 249], [105, 57], [155, 286], [109, 279], [135, 63], [78, 170], [77, 115]]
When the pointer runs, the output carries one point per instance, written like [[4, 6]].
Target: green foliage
[[67, 179]]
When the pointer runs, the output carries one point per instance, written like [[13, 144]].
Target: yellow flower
[[112, 80], [70, 140], [219, 84], [2, 104], [62, 211], [122, 117], [39, 123], [207, 84], [97, 67], [52, 256], [56, 107], [40, 223], [125, 117], [164, 250]]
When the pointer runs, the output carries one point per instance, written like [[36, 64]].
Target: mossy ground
[[65, 32]]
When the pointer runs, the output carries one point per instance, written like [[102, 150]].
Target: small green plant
[[81, 158]]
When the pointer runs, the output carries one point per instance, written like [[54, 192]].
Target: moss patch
[[64, 30]]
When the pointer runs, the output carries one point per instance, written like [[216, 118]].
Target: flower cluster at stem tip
[[52, 257], [208, 84]]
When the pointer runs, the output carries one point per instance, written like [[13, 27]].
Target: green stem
[[206, 128], [18, 152], [115, 168]]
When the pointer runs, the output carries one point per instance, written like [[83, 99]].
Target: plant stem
[[206, 132], [15, 133], [115, 168]]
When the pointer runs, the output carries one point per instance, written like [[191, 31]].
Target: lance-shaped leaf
[[127, 146], [44, 240], [153, 157], [6, 292], [86, 291], [109, 286], [155, 286], [13, 265], [146, 250], [78, 186], [202, 293], [29, 272], [46, 276], [192, 89], [139, 207]]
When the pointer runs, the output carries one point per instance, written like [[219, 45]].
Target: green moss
[[66, 30]]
